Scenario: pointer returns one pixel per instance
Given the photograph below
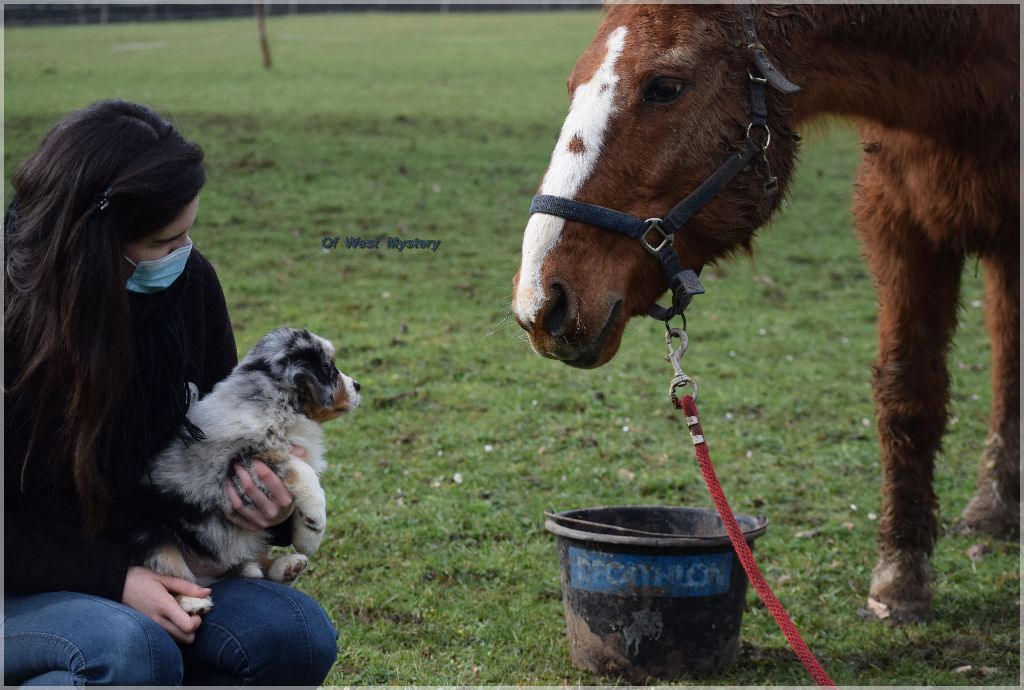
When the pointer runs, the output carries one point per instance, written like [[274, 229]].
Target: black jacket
[[45, 548]]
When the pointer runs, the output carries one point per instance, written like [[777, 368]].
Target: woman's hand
[[264, 511], [151, 593]]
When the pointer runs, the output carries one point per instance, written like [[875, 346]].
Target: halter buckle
[[666, 237]]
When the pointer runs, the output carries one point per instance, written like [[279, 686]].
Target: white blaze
[[592, 106]]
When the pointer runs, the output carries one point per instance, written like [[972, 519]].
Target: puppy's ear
[[323, 395]]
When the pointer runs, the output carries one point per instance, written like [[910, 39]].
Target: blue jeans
[[258, 633]]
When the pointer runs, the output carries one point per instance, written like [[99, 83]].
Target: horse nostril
[[558, 312], [355, 384]]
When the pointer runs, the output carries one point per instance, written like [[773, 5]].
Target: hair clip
[[104, 200]]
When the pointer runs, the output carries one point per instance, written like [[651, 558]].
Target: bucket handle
[[626, 530]]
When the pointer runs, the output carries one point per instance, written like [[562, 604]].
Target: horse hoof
[[898, 613], [901, 589], [986, 514]]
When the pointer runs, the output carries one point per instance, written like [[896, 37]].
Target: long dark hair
[[67, 310]]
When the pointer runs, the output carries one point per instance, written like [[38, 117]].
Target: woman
[[112, 320]]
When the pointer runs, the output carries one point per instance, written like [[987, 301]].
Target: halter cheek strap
[[657, 235]]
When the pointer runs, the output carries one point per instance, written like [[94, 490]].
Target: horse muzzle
[[564, 329]]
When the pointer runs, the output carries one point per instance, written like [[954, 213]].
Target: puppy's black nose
[[355, 384]]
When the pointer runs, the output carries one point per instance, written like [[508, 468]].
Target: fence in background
[[92, 13]]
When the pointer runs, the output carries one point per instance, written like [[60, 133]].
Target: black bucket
[[651, 592]]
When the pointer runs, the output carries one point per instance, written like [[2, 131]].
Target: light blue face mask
[[158, 274]]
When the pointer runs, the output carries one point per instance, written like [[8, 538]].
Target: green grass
[[440, 126]]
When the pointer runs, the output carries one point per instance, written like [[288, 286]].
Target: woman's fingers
[[182, 626], [269, 501], [263, 508], [242, 515], [256, 497], [152, 594], [183, 631], [278, 492], [182, 586], [283, 501], [186, 623]]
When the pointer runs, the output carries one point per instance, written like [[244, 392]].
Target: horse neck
[[930, 69]]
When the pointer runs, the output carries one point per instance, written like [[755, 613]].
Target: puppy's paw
[[313, 523], [286, 568], [194, 605], [308, 531], [251, 569]]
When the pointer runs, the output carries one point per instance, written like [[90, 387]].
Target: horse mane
[[913, 32]]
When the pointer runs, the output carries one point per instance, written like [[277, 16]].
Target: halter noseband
[[657, 235]]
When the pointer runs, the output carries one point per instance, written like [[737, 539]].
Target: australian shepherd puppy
[[277, 396]]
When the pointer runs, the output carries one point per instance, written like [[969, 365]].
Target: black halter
[[657, 235]]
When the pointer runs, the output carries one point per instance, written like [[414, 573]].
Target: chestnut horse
[[663, 95]]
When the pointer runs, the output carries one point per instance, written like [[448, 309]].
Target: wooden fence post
[[262, 24]]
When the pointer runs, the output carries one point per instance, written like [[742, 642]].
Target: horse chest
[[953, 199]]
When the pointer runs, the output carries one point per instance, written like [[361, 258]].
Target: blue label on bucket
[[674, 576]]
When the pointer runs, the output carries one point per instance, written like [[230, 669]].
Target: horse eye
[[664, 89]]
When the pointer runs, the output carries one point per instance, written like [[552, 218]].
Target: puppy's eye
[[664, 89]]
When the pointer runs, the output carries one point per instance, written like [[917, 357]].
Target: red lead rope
[[742, 549]]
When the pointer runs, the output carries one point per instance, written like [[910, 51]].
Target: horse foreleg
[[995, 508], [918, 287]]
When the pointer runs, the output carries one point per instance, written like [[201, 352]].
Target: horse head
[[660, 98]]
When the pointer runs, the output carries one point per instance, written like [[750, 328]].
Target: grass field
[[437, 569]]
